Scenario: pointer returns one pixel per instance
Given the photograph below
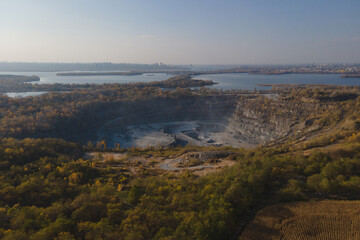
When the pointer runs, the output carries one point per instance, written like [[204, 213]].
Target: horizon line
[[183, 64]]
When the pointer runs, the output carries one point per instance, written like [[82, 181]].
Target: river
[[251, 81]]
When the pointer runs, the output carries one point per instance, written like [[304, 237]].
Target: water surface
[[51, 78], [225, 81], [23, 94], [252, 81]]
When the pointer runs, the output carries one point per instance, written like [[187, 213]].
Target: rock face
[[262, 120], [259, 126]]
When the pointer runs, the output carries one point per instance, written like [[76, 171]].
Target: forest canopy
[[49, 190]]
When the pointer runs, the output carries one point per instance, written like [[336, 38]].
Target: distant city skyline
[[200, 32]]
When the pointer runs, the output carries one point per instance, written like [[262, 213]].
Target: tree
[[135, 193]]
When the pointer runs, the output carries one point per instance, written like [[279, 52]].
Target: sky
[[181, 31]]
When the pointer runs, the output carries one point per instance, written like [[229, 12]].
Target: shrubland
[[48, 191]]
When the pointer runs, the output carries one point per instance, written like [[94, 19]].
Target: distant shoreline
[[255, 72], [350, 76], [295, 85], [18, 78], [98, 73]]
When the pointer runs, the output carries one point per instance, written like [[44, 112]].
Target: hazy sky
[[180, 31]]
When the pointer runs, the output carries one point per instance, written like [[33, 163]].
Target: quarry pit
[[201, 121], [198, 121]]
